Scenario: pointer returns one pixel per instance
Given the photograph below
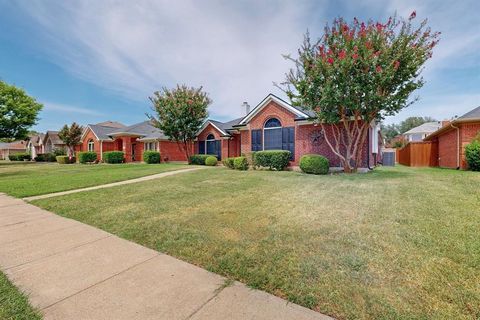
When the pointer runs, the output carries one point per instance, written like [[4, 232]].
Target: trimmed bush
[[199, 159], [151, 156], [60, 152], [87, 156], [240, 163], [314, 164], [19, 157], [65, 160], [472, 155], [41, 157], [272, 159], [113, 157], [211, 161], [50, 157], [229, 163]]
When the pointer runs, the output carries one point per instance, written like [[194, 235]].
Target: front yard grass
[[13, 304], [396, 243], [29, 179]]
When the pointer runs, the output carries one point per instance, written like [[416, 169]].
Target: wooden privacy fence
[[419, 154]]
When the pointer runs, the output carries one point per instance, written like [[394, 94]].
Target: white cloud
[[51, 106], [232, 49]]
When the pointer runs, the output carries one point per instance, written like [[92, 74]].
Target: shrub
[[240, 163], [228, 162], [87, 156], [314, 163], [472, 155], [41, 157], [19, 157], [50, 157], [151, 156], [200, 158], [272, 159], [113, 157], [65, 159], [211, 161], [59, 152]]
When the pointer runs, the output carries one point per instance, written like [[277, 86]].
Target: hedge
[[229, 163], [87, 156], [211, 161], [65, 159], [113, 157], [19, 157], [199, 159], [314, 164], [272, 159], [240, 163], [151, 156], [472, 155], [41, 157]]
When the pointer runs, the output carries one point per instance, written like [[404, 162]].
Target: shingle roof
[[53, 135], [111, 124], [427, 127], [15, 145], [144, 129], [226, 126], [472, 114], [102, 132]]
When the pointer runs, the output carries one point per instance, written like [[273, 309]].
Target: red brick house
[[275, 124], [453, 137], [132, 140]]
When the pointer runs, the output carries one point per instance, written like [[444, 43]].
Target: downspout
[[369, 148], [458, 145]]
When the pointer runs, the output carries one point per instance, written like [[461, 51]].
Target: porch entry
[[133, 151], [210, 146]]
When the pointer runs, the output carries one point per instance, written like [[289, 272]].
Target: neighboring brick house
[[132, 140], [275, 124], [51, 141], [9, 148], [35, 145], [453, 137]]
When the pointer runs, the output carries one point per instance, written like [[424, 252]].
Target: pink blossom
[[330, 60], [341, 55], [396, 64], [378, 69], [413, 15], [355, 56]]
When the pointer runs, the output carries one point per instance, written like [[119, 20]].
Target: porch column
[[127, 148]]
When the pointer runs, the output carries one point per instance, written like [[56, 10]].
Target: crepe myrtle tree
[[71, 136], [180, 113], [18, 112], [357, 73]]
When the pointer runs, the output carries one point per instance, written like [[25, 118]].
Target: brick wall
[[447, 149], [468, 131], [171, 151]]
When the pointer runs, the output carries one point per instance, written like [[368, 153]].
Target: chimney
[[245, 108]]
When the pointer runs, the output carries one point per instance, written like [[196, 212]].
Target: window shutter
[[256, 140], [201, 147], [218, 149], [288, 140]]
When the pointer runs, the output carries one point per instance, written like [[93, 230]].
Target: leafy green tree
[[71, 136], [412, 122], [358, 73], [472, 153], [180, 113], [389, 131], [18, 112]]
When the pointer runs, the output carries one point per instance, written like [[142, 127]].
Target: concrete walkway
[[71, 270], [114, 184]]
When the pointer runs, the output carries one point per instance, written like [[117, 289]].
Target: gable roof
[[111, 124], [146, 130], [100, 132], [15, 145], [224, 128], [53, 136], [300, 113], [472, 115], [427, 127]]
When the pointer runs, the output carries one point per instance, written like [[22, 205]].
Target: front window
[[210, 144], [272, 134], [91, 145], [150, 146]]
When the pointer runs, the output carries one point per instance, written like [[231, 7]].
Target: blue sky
[[91, 61]]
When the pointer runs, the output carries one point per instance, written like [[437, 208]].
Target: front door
[[133, 151]]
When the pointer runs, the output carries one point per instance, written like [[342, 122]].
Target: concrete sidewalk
[[71, 270], [114, 184]]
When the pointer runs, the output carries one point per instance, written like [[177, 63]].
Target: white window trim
[[92, 143], [263, 131], [207, 140]]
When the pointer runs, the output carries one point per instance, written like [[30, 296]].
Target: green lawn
[[397, 243], [13, 304], [29, 179]]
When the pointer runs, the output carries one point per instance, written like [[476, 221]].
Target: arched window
[[272, 134], [210, 144], [91, 145], [273, 123], [210, 137]]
